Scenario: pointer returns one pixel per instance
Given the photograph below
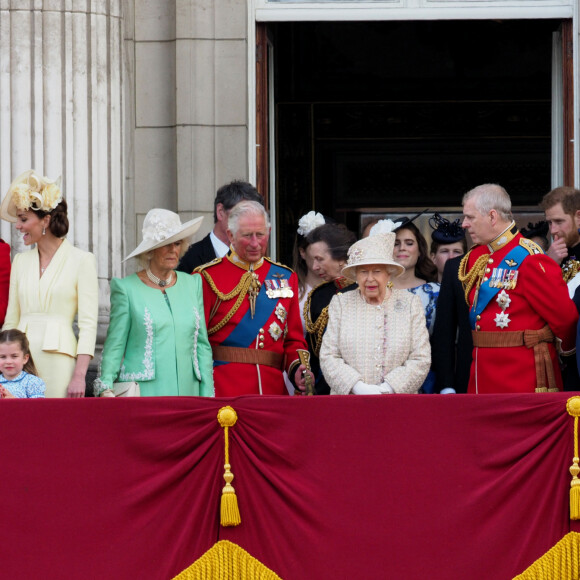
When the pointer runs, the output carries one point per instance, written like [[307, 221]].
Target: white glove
[[386, 389], [363, 389], [448, 391]]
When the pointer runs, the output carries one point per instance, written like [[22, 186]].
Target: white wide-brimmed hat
[[30, 191], [162, 227], [376, 249]]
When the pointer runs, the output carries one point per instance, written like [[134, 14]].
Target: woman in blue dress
[[419, 278]]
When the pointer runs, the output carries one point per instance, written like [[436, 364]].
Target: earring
[[44, 231]]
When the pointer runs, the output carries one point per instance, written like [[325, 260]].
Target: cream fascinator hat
[[30, 191], [376, 249], [162, 227]]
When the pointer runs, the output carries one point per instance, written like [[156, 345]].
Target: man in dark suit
[[216, 243], [451, 344]]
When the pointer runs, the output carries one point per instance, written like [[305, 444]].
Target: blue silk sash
[[486, 293], [245, 332]]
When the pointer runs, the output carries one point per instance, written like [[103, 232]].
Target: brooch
[[275, 331], [281, 313], [502, 320], [503, 300]]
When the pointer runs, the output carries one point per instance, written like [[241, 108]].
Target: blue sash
[[486, 293], [248, 328]]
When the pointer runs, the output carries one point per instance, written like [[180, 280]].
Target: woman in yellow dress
[[50, 286]]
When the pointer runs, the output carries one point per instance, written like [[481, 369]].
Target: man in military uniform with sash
[[518, 301], [252, 312]]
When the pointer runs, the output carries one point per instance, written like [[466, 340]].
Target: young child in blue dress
[[18, 378]]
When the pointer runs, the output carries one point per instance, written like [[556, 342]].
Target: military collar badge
[[505, 237]]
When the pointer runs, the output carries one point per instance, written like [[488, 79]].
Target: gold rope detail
[[316, 329], [227, 561], [558, 563], [229, 512], [468, 279], [573, 408], [570, 269], [240, 291]]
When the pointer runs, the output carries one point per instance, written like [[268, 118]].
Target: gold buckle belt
[[252, 356]]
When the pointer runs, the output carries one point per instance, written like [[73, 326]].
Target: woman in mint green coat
[[157, 334]]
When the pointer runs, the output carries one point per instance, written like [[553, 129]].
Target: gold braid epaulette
[[469, 279], [267, 259], [240, 291], [570, 269], [316, 329]]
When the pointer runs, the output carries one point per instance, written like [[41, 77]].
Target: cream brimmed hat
[[376, 249], [30, 191], [162, 227]]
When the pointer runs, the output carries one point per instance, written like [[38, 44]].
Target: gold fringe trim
[[573, 408], [469, 279], [229, 511], [227, 561], [559, 563]]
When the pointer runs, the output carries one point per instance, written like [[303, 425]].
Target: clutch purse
[[128, 389]]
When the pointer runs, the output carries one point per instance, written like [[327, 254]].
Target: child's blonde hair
[[14, 335]]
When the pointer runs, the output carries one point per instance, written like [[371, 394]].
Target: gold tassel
[[573, 408], [229, 511]]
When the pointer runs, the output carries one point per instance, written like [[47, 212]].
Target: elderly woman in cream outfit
[[50, 286], [376, 341]]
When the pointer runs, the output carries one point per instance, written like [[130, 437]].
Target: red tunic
[[276, 326], [4, 278], [539, 298]]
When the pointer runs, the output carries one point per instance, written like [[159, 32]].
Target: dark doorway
[[389, 115]]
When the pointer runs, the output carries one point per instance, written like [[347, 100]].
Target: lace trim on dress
[[195, 336], [148, 373]]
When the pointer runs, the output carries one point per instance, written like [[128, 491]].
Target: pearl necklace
[[157, 280]]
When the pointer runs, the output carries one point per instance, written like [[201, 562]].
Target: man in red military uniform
[[519, 303], [252, 312]]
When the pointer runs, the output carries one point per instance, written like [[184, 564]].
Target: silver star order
[[502, 320], [503, 300]]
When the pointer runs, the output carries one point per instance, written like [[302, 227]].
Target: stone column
[[62, 113], [211, 102]]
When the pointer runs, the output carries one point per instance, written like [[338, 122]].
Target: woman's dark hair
[[436, 245], [337, 237], [58, 225], [15, 335], [425, 268], [299, 263]]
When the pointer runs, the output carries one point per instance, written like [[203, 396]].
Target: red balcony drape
[[396, 486]]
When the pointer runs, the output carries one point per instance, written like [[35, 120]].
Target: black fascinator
[[538, 230], [405, 221], [444, 231]]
